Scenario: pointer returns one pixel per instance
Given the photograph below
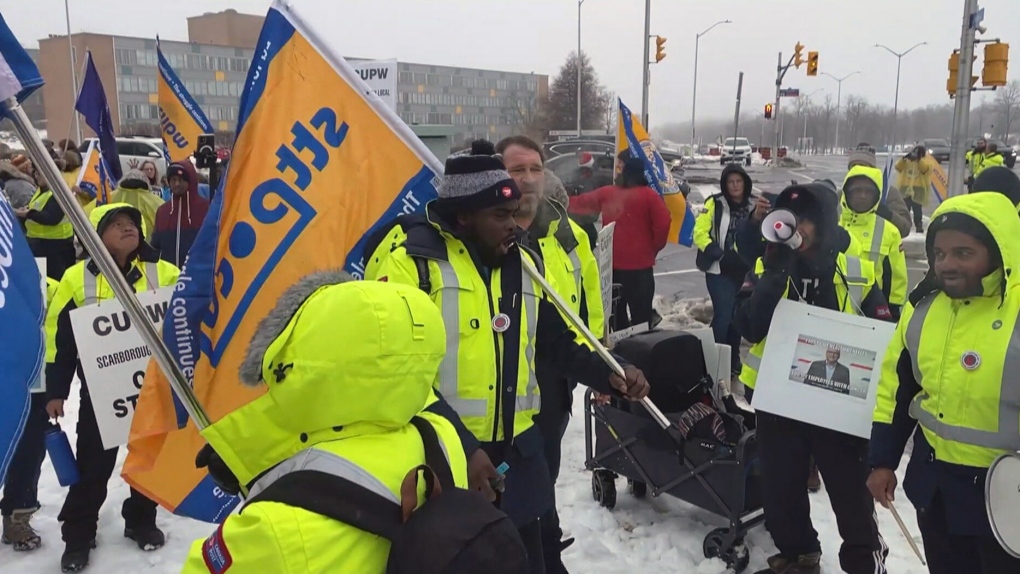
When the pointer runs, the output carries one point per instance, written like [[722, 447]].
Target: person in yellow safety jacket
[[133, 189], [949, 380], [568, 254], [20, 499], [914, 182], [819, 273], [880, 240], [982, 157], [498, 324], [49, 232], [347, 366], [119, 226]]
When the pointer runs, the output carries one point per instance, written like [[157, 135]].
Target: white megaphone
[[780, 226], [1002, 500]]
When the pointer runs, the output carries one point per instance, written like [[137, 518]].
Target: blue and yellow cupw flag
[[633, 141], [180, 118], [316, 166]]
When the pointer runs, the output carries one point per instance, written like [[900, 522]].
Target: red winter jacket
[[642, 222]]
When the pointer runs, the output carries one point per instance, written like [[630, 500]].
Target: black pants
[[915, 208], [950, 554], [553, 424], [785, 450], [59, 255], [21, 487], [531, 534], [634, 307], [80, 514]]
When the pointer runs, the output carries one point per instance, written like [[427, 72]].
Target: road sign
[[789, 93], [976, 18]]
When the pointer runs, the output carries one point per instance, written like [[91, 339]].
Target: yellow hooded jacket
[[83, 284], [961, 385], [880, 240], [348, 364]]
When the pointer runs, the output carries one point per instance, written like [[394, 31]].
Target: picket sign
[[39, 385], [798, 341], [604, 253], [114, 358]]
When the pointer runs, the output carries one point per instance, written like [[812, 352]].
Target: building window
[[420, 78], [125, 57], [406, 78]]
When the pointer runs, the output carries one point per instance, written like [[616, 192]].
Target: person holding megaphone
[[810, 258]]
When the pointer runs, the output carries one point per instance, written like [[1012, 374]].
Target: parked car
[[134, 150], [587, 172], [570, 147], [937, 148], [735, 150]]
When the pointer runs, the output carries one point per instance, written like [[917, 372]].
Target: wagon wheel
[[603, 488], [637, 489], [735, 556]]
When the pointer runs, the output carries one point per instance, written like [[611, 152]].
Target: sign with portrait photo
[[822, 367]]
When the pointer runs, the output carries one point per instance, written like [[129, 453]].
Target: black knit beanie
[[476, 181], [1001, 180]]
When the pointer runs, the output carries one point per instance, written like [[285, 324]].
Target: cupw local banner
[[114, 358], [381, 77]]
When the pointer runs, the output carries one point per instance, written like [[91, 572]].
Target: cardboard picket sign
[[822, 367], [604, 254], [114, 358]]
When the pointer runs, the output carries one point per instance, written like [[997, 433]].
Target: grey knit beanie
[[477, 181], [863, 155]]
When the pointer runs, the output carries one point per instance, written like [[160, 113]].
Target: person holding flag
[[119, 226], [468, 259], [642, 231]]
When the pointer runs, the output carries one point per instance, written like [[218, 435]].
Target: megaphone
[[1002, 500], [780, 226]]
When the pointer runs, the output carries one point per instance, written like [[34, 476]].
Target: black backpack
[[455, 531]]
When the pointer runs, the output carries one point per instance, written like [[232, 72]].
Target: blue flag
[[19, 76], [22, 310], [21, 329], [92, 105]]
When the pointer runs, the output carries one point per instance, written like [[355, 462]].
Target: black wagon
[[692, 461]]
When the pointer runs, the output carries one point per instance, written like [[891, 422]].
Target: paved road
[[676, 276]]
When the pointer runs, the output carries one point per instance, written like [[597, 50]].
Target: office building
[[213, 66]]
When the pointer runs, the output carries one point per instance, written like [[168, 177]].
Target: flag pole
[[90, 238], [74, 79]]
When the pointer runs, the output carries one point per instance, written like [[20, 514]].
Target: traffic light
[[954, 73], [660, 49], [996, 60], [768, 111], [798, 59], [812, 63]]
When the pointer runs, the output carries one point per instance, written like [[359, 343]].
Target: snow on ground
[[651, 536]]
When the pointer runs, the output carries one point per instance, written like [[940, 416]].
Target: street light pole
[[839, 98], [579, 3], [803, 139], [74, 74], [694, 97], [896, 101], [646, 65]]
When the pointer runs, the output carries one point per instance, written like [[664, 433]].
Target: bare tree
[[612, 109], [1007, 106]]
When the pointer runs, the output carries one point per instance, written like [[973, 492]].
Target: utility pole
[[776, 132], [647, 64], [74, 75], [579, 3], [736, 113], [961, 113], [896, 101]]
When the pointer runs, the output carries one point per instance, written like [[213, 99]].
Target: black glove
[[714, 252], [221, 475], [779, 258]]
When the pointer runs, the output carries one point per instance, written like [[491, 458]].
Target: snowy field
[[650, 536]]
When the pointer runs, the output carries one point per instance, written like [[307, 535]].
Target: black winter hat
[[131, 211], [177, 170], [476, 181], [999, 179], [634, 171]]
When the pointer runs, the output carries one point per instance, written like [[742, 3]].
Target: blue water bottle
[[62, 457]]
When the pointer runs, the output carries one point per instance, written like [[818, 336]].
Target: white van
[[136, 150]]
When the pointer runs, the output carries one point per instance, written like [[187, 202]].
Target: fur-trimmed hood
[[338, 358]]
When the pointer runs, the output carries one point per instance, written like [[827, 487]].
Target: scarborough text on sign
[[114, 358]]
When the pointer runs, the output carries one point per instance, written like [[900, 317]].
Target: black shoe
[[148, 538], [564, 544], [76, 559]]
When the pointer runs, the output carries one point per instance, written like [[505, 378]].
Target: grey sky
[[536, 36]]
